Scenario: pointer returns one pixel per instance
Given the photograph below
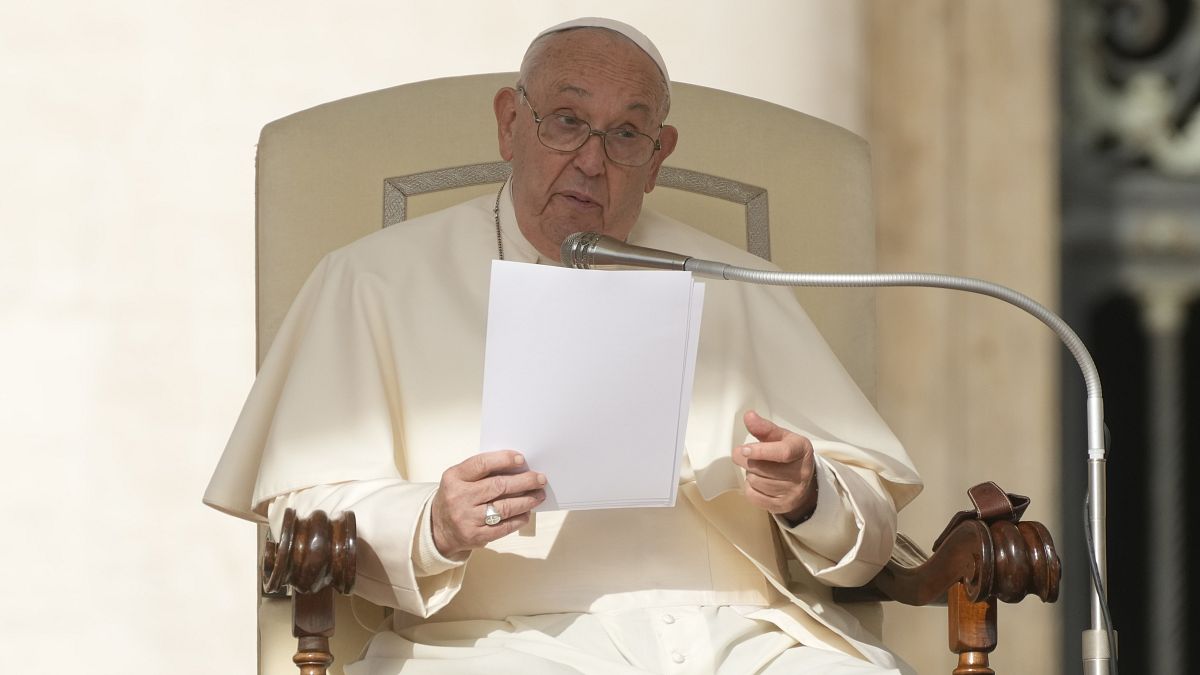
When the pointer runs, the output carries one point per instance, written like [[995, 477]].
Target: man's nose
[[590, 157]]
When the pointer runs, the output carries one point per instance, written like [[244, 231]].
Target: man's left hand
[[780, 469]]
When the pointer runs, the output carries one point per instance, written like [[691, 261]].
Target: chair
[[329, 175]]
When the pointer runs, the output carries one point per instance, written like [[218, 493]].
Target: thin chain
[[496, 217]]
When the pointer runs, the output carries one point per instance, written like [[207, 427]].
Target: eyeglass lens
[[623, 146]]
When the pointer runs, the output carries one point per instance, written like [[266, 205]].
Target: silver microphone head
[[577, 250], [588, 250]]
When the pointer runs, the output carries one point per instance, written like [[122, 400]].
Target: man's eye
[[569, 121], [624, 134]]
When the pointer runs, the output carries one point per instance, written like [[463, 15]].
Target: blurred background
[[1050, 146]]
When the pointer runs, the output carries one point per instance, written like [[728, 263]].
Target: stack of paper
[[588, 374]]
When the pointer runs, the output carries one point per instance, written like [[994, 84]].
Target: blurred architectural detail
[[1135, 84], [1131, 269]]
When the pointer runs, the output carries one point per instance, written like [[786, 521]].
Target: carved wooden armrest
[[314, 557], [983, 556]]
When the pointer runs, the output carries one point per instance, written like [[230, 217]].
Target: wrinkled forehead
[[627, 32], [596, 65]]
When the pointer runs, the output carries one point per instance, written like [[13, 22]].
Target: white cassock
[[372, 389]]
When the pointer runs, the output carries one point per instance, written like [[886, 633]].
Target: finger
[[485, 464], [792, 449], [762, 428], [765, 502], [792, 474], [515, 506], [765, 486], [506, 485], [488, 533], [774, 487], [776, 496]]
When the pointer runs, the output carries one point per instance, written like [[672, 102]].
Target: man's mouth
[[579, 199]]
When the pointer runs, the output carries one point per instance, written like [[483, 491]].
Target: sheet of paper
[[588, 373]]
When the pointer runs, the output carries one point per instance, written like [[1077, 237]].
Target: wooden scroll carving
[[314, 557], [976, 562]]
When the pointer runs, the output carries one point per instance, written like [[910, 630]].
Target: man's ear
[[505, 106], [666, 142]]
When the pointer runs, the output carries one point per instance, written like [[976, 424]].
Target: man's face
[[608, 82]]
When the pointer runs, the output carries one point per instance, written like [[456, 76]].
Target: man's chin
[[560, 231]]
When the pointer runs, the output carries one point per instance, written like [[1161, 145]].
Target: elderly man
[[369, 400]]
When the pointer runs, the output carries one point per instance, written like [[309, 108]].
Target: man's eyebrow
[[578, 91], [636, 106]]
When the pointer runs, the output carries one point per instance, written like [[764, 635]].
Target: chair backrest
[[780, 183]]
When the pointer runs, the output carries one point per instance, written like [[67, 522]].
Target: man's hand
[[465, 491], [780, 469]]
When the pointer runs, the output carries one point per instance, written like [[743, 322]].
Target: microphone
[[584, 250]]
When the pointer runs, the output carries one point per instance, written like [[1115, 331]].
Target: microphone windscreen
[[575, 249]]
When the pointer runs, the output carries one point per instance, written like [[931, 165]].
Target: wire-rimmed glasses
[[567, 133]]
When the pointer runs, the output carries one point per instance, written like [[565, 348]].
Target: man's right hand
[[467, 488]]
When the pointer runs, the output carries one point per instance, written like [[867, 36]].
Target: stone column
[[963, 106], [1164, 309]]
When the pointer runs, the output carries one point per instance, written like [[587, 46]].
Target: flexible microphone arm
[[585, 249]]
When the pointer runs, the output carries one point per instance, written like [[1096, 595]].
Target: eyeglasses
[[567, 133]]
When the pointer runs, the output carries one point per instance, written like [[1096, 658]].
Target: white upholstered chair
[[784, 185]]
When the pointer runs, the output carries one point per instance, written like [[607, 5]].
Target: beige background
[[963, 106], [126, 264]]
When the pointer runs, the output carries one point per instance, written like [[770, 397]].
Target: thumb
[[761, 428]]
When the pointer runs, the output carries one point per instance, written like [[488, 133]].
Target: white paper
[[588, 373]]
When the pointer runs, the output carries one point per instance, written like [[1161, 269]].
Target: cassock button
[[677, 657], [668, 619]]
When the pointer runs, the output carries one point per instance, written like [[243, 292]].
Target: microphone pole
[[583, 250]]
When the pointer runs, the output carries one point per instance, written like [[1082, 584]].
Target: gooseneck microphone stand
[[587, 249]]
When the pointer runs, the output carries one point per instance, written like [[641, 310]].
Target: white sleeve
[[850, 535], [398, 565]]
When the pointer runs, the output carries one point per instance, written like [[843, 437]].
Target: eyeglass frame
[[603, 134]]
